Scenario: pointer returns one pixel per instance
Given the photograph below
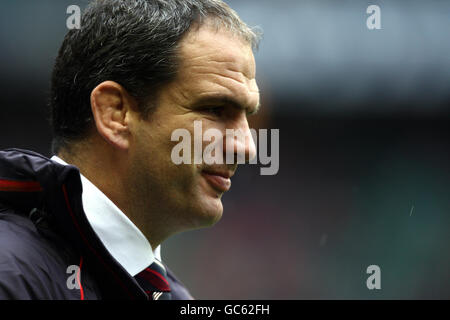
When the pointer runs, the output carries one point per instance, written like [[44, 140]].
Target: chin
[[209, 213]]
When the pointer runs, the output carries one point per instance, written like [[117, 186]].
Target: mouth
[[218, 180]]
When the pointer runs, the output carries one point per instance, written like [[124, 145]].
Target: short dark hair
[[131, 42]]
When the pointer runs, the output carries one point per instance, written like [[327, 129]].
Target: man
[[88, 223]]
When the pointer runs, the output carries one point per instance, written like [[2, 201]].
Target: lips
[[219, 180]]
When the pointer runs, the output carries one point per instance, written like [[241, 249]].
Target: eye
[[216, 110]]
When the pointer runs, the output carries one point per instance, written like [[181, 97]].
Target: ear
[[111, 106]]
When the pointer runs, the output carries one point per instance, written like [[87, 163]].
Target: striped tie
[[154, 281]]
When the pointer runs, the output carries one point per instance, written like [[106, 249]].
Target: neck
[[117, 183]]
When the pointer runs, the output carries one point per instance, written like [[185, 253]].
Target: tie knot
[[153, 278]]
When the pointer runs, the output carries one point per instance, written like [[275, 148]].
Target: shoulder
[[31, 267], [19, 237]]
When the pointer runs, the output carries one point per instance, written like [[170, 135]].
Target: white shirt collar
[[124, 241]]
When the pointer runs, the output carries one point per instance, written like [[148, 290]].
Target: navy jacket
[[46, 242]]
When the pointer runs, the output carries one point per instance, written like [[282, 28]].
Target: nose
[[239, 145]]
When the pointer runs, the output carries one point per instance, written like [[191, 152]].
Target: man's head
[[135, 72]]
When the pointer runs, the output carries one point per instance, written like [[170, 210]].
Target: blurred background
[[364, 174]]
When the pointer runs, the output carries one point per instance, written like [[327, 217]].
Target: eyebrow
[[227, 100]]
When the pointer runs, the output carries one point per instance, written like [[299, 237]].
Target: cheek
[[154, 147], [164, 169]]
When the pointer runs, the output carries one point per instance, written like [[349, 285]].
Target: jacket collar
[[121, 237], [29, 180]]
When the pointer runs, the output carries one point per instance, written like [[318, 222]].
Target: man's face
[[215, 85]]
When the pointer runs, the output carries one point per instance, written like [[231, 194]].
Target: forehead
[[208, 42], [215, 61]]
